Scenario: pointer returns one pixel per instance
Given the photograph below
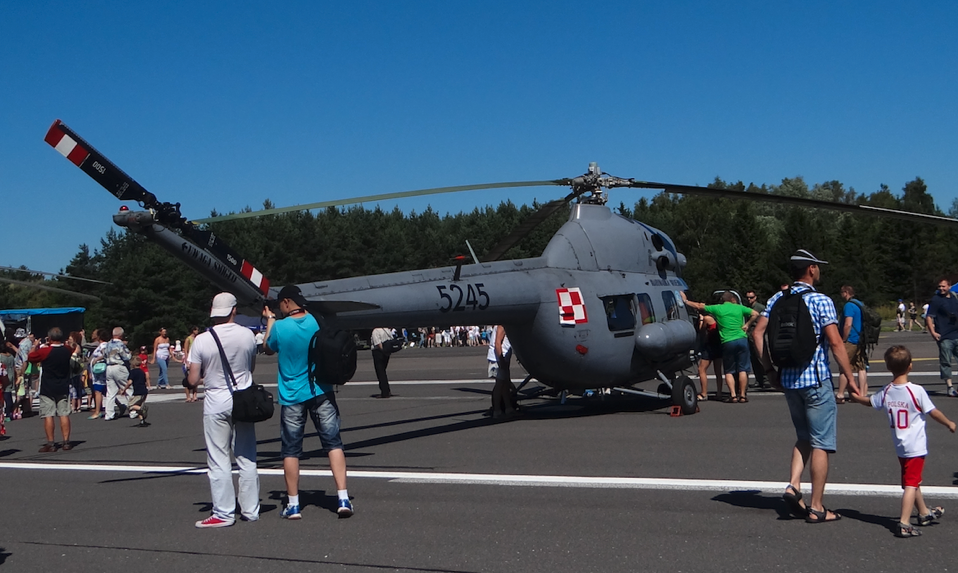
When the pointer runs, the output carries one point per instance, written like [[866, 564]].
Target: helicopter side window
[[646, 314], [619, 311], [671, 305]]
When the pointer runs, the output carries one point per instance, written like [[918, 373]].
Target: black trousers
[[380, 362]]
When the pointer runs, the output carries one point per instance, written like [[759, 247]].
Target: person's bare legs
[[800, 455], [863, 382], [704, 377], [718, 368], [742, 383], [819, 473], [48, 429], [842, 384], [920, 503], [64, 427], [291, 473], [908, 504], [730, 382], [337, 464]]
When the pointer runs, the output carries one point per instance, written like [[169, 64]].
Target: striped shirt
[[823, 313]]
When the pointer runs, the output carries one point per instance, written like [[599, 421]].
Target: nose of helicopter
[[662, 340]]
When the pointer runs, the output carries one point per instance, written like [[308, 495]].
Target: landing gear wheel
[[683, 394]]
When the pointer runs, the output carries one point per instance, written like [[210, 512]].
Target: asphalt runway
[[595, 484]]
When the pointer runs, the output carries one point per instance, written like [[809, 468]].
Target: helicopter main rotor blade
[[795, 201], [381, 197], [36, 272], [526, 227], [49, 288]]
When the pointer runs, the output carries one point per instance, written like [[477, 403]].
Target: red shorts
[[911, 469]]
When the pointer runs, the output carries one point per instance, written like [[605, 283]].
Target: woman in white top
[[161, 357]]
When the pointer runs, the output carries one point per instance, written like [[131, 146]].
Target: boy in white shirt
[[907, 405]]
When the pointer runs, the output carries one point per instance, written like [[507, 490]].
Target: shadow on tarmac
[[552, 409], [888, 523], [754, 500], [151, 476], [316, 498]]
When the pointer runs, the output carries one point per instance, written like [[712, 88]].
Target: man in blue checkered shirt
[[808, 390]]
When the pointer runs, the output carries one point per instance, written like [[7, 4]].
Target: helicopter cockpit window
[[620, 311], [646, 314], [671, 305]]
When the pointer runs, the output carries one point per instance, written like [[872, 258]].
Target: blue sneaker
[[291, 512], [345, 508]]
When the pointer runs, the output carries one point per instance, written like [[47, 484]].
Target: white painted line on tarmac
[[421, 382], [675, 484]]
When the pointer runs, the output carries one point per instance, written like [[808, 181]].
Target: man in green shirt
[[733, 332]]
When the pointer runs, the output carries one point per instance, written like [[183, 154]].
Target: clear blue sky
[[220, 105]]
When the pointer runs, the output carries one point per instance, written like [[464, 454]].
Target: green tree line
[[729, 244]]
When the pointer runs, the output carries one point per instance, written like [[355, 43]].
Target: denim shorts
[[325, 414], [735, 357], [814, 413]]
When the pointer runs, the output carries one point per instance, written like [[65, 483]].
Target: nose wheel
[[683, 394]]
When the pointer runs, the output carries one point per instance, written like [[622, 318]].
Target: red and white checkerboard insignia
[[66, 145], [255, 277], [571, 306]]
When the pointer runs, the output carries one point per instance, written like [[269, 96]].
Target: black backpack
[[871, 325], [791, 333], [332, 357]]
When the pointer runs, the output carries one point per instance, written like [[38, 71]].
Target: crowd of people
[[795, 359], [455, 336], [909, 314], [104, 376]]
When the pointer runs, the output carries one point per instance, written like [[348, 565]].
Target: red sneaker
[[213, 521]]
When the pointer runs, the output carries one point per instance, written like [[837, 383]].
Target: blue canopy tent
[[40, 320]]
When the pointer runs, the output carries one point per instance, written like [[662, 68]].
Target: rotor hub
[[589, 187]]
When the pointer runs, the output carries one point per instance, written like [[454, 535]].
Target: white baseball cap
[[223, 305]]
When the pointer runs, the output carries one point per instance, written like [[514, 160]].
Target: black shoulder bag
[[253, 404]]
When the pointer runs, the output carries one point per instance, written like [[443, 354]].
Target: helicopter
[[601, 307], [33, 285]]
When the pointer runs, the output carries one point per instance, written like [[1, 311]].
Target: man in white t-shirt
[[492, 360], [223, 435], [906, 406]]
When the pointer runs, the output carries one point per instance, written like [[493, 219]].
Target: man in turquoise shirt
[[290, 338], [851, 331]]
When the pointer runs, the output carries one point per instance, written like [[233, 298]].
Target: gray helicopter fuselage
[[600, 308]]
